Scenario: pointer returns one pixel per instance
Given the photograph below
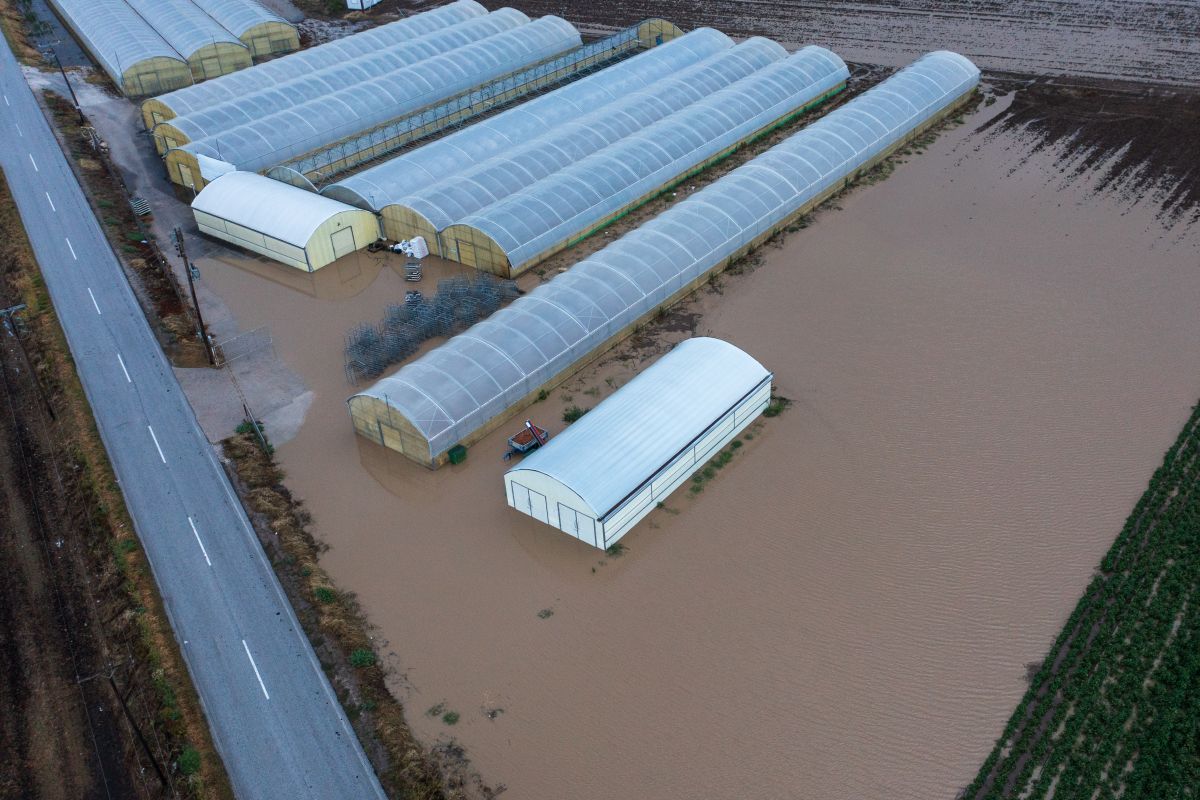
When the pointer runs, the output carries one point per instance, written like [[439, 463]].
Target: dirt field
[[1139, 40]]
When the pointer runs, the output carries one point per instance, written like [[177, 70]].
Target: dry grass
[[12, 23]]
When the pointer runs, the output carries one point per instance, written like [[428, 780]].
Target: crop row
[[1112, 711]]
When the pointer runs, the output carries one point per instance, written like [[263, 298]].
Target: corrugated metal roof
[[631, 435], [272, 208]]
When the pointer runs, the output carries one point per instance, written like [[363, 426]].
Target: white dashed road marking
[[94, 303], [202, 550], [156, 447], [260, 680], [122, 363]]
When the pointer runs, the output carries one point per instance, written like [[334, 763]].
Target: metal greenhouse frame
[[280, 136], [431, 209], [386, 183], [458, 392], [251, 106], [209, 49], [229, 87], [264, 33], [139, 61], [320, 166], [515, 233]]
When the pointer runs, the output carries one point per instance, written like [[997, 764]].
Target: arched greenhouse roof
[[185, 27], [114, 34], [610, 452], [455, 389], [322, 121], [448, 201], [312, 85], [544, 214], [388, 182], [268, 207], [238, 16], [227, 87]]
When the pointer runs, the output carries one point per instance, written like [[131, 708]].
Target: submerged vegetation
[[1113, 710]]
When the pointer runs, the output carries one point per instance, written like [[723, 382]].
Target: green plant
[[573, 414], [324, 594], [776, 406], [615, 550], [189, 760], [542, 395], [546, 613], [362, 657], [450, 717]]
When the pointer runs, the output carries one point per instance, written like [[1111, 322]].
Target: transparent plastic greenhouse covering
[[248, 108], [454, 390], [540, 217], [115, 34], [228, 87], [238, 16], [393, 179], [185, 27], [450, 200], [283, 135]]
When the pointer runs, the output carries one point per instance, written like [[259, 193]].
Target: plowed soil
[[1139, 40]]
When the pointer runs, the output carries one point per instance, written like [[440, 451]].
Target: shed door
[[531, 502], [581, 526], [185, 176], [343, 242]]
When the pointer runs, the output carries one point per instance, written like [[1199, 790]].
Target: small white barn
[[294, 227], [598, 478]]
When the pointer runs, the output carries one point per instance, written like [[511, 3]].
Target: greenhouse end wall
[[730, 217]]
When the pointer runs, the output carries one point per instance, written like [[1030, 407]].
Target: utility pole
[[187, 267], [70, 88]]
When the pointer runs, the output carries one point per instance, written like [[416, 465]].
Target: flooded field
[[1139, 40], [987, 355]]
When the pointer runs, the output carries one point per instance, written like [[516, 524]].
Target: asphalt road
[[273, 714]]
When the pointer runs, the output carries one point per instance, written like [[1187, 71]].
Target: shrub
[[362, 657], [325, 595], [189, 760], [573, 413], [450, 717]]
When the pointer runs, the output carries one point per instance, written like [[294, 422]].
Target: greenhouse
[[610, 469], [281, 222], [139, 61], [387, 183], [315, 123], [459, 391], [230, 87], [214, 121], [428, 210], [515, 233], [209, 49], [264, 33]]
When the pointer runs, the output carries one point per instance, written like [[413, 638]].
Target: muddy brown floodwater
[[987, 361]]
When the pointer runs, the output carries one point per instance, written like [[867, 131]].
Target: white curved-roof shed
[[286, 224], [608, 470]]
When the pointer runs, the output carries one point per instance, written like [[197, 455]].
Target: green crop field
[[1114, 710]]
